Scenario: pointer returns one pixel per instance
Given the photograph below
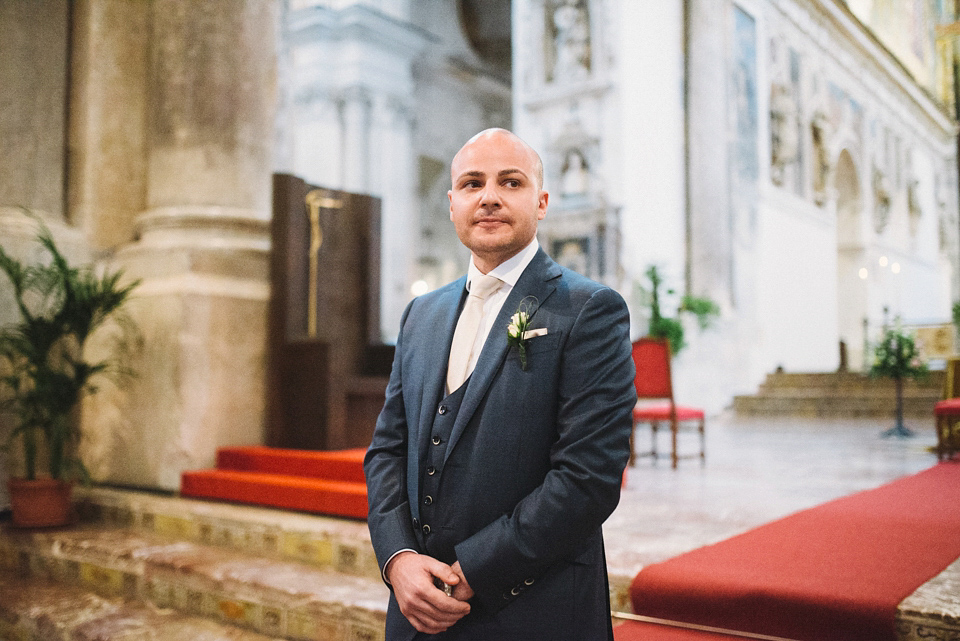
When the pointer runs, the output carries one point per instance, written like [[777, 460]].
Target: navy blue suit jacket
[[533, 465]]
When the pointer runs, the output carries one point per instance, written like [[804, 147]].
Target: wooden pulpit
[[327, 368]]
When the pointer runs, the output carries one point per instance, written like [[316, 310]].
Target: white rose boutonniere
[[519, 326]]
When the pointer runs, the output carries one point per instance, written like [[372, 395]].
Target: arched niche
[[851, 282]]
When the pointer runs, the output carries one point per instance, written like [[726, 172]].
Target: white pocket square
[[533, 333]]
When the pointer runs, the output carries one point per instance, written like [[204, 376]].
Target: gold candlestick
[[316, 199]]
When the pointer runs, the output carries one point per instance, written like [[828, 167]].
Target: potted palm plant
[[43, 373]]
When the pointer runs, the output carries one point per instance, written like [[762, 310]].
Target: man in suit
[[494, 488]]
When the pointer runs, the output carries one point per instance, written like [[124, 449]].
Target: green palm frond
[[43, 374]]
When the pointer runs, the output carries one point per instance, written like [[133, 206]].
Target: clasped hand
[[426, 607]]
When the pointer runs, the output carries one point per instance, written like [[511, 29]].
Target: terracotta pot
[[40, 502]]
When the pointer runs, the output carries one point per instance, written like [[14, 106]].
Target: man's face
[[496, 199]]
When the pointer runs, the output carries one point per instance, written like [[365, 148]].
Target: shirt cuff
[[383, 572]]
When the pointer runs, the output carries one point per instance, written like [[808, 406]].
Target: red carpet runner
[[834, 572], [320, 482]]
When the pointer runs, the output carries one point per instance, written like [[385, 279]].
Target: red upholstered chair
[[653, 382]]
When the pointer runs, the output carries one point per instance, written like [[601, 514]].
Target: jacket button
[[437, 440], [431, 471], [514, 591], [443, 409], [428, 500], [426, 529], [528, 582]]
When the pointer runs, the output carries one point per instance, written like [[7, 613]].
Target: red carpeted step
[[341, 465], [834, 572], [321, 496]]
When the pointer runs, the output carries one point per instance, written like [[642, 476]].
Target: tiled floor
[[757, 469]]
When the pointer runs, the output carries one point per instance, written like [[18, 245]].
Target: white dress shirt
[[509, 272]]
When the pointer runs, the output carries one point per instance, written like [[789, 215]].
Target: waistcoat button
[[431, 471], [443, 409], [426, 529], [428, 500], [437, 440]]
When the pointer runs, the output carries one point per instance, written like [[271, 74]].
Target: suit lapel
[[538, 280], [433, 388]]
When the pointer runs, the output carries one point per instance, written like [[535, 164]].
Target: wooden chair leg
[[673, 441], [654, 426], [952, 436], [941, 423], [703, 442]]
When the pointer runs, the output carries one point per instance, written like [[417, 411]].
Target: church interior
[[773, 184]]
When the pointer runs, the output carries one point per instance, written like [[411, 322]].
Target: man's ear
[[542, 205], [450, 198]]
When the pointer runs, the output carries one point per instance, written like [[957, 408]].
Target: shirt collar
[[508, 271]]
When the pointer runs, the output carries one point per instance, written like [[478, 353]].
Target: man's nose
[[490, 196]]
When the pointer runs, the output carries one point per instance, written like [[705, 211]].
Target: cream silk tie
[[465, 335]]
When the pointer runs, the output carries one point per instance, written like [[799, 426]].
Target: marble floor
[[757, 470]]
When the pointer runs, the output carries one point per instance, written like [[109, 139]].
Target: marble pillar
[[355, 112], [201, 249], [708, 198], [395, 176], [107, 175]]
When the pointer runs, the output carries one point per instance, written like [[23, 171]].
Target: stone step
[[934, 381], [839, 395], [286, 599], [337, 544], [838, 406], [36, 610], [879, 394]]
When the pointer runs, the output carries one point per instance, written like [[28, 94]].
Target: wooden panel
[[325, 279]]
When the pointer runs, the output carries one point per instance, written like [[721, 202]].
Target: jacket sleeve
[[596, 397], [385, 468]]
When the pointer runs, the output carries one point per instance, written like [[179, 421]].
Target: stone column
[[356, 107], [107, 175], [395, 182], [202, 248], [708, 174], [33, 93]]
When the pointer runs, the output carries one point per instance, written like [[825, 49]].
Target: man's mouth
[[489, 221]]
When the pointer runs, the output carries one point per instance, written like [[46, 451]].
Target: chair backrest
[[652, 358]]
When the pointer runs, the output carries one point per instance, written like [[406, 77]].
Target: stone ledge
[[33, 610], [274, 597], [338, 544], [932, 613]]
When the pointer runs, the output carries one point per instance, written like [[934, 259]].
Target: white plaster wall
[[797, 289], [647, 172]]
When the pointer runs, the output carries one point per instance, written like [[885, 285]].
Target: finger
[[425, 617], [441, 606], [442, 571]]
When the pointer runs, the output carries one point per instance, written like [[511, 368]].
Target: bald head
[[497, 132], [496, 196]]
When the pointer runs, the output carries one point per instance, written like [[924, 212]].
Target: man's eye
[[512, 183]]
